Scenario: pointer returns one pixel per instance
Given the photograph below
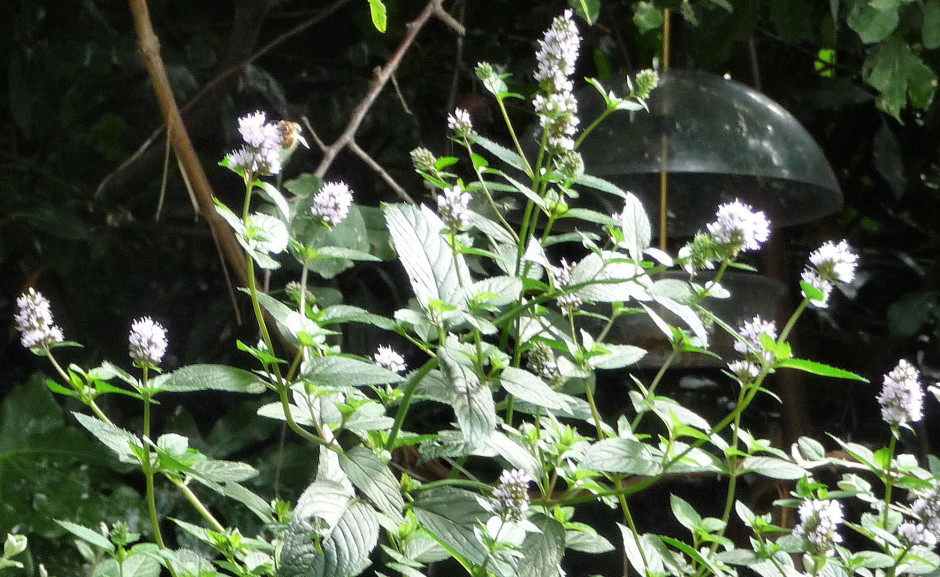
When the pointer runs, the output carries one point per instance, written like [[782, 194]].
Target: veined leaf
[[527, 387], [224, 471], [344, 552], [451, 517], [370, 474], [86, 534], [496, 291], [500, 152], [472, 401], [618, 356], [650, 562], [379, 17], [636, 227], [337, 371], [210, 377], [115, 438], [773, 467], [620, 456], [542, 551], [428, 259]]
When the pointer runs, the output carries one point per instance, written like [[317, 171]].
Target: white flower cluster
[[902, 398], [556, 105], [387, 358], [453, 206], [261, 153], [831, 263], [927, 507], [739, 227], [751, 347], [916, 534], [34, 320], [819, 524], [459, 122], [331, 204], [562, 278], [512, 495], [147, 341]]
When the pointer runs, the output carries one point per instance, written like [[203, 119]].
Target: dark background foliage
[[82, 162]]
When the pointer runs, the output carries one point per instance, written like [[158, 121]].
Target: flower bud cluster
[[562, 277], [459, 122], [751, 347], [387, 358], [542, 362]]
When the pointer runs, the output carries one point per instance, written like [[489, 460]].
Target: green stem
[[593, 125], [515, 140], [410, 389], [656, 380], [197, 504], [889, 478]]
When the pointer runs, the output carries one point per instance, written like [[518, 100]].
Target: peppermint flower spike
[[454, 207], [738, 227], [512, 495], [147, 342], [902, 398], [822, 285], [819, 524], [331, 204], [835, 262], [34, 321], [387, 358], [751, 332], [558, 53]]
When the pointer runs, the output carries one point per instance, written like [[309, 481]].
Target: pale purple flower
[[257, 132], [819, 524], [331, 204], [739, 227], [147, 341], [453, 206], [746, 371], [927, 508], [512, 495], [819, 283], [387, 358], [902, 398], [916, 534], [558, 53], [835, 262], [34, 320], [751, 332], [459, 122]]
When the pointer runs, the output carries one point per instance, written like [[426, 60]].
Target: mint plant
[[509, 325]]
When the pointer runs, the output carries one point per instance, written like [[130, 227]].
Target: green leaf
[[379, 17], [371, 475], [349, 314], [542, 551], [647, 17], [527, 387], [819, 369], [496, 291], [587, 542], [273, 195], [90, 535], [650, 562], [894, 70], [451, 516], [930, 28], [617, 455], [115, 438], [210, 377], [224, 471], [134, 565], [472, 401], [618, 356], [871, 23], [685, 513], [637, 232], [337, 371], [773, 467], [500, 152], [344, 551], [811, 448], [426, 256], [601, 185], [346, 253]]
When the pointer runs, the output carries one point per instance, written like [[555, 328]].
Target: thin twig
[[358, 151], [382, 77]]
